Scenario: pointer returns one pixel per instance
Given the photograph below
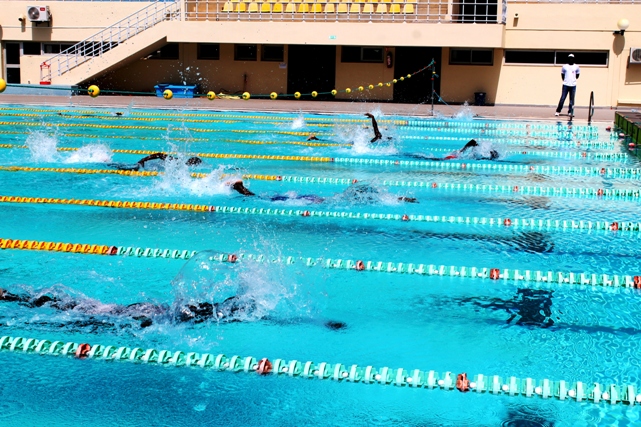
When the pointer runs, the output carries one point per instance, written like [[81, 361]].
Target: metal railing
[[420, 11], [579, 1], [109, 38]]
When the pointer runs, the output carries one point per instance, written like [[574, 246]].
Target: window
[[13, 53], [529, 57], [245, 52], [362, 54], [55, 47], [273, 52], [208, 51], [471, 56], [477, 11], [13, 75], [168, 51], [551, 57], [30, 48]]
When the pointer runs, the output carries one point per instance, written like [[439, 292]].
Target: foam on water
[[43, 148], [92, 153], [177, 179]]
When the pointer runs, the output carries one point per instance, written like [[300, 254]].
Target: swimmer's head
[[193, 161], [494, 155], [335, 326]]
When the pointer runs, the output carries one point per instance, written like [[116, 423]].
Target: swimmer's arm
[[161, 156], [238, 186], [472, 143], [377, 133], [408, 199]]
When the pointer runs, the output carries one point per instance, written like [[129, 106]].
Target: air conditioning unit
[[38, 13], [635, 55]]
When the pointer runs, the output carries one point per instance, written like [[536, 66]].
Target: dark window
[[245, 52], [529, 57], [361, 54], [471, 56], [13, 75], [351, 54], [583, 58], [30, 48], [168, 51], [478, 11], [51, 48], [13, 53], [208, 51], [372, 54], [550, 57], [273, 52]]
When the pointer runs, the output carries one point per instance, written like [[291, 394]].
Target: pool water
[[526, 329]]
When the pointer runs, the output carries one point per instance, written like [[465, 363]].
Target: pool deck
[[327, 107]]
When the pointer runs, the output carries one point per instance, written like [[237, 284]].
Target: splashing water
[[361, 136], [465, 113], [299, 122], [42, 146], [177, 179], [364, 193], [92, 153]]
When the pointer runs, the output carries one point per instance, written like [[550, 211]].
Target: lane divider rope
[[515, 223], [480, 273], [419, 123], [578, 391]]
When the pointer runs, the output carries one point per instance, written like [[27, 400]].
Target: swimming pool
[[457, 282]]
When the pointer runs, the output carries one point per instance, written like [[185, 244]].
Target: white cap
[[571, 55]]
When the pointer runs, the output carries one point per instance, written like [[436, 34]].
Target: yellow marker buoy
[[334, 92], [296, 95], [348, 90], [388, 84], [3, 85], [167, 94], [409, 76], [360, 88], [92, 90], [314, 94], [380, 85], [370, 87], [273, 95], [246, 95], [402, 78], [211, 95], [394, 81]]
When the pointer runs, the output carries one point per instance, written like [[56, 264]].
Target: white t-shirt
[[570, 72]]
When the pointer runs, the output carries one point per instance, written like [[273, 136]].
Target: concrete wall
[[353, 75], [552, 26], [220, 75]]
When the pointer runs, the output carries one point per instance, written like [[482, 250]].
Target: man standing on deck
[[569, 74]]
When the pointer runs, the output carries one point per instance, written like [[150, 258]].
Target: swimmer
[[192, 161], [360, 192], [230, 310], [312, 137], [472, 145], [377, 133]]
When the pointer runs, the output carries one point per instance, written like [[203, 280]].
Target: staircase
[[110, 46]]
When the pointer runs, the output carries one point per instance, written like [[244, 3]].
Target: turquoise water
[[506, 328]]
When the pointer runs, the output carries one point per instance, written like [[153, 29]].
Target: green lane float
[[514, 223], [593, 392], [463, 272]]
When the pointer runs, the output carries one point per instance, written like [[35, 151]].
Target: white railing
[[419, 11], [109, 38]]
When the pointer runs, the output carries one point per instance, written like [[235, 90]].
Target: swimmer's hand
[[408, 199]]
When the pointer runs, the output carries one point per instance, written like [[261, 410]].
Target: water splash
[[364, 193], [92, 153], [298, 122], [42, 146], [465, 113], [177, 179]]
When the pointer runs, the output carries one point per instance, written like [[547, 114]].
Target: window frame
[[361, 55], [265, 59], [249, 59], [472, 62], [199, 55], [557, 54]]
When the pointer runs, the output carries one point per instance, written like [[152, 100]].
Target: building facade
[[511, 52]]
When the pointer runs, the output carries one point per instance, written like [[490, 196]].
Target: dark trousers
[[571, 90]]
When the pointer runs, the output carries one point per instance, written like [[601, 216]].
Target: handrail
[[591, 109], [110, 37]]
